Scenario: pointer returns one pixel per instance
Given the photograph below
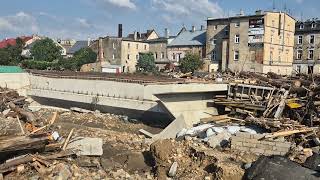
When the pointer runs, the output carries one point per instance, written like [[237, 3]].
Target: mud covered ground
[[129, 155]]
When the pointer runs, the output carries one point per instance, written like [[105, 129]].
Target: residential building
[[118, 54], [66, 43], [306, 47], [77, 46], [13, 41], [193, 41], [158, 47], [149, 35], [262, 42]]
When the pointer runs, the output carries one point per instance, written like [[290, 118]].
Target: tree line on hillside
[[45, 54]]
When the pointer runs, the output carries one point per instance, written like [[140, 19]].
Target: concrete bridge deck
[[149, 101]]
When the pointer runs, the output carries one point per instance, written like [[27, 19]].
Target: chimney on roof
[[166, 33], [89, 41], [135, 35], [120, 31], [193, 29], [202, 27]]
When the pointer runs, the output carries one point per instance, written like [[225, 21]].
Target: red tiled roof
[[12, 41]]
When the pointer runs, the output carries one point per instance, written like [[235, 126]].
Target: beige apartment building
[[260, 43], [118, 54]]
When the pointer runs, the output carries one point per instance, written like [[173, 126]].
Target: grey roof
[[189, 38], [77, 46]]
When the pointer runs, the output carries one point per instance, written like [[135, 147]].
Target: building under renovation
[[262, 42]]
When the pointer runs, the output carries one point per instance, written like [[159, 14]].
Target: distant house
[[66, 43], [149, 35], [30, 43], [193, 41], [77, 46], [158, 47], [13, 41]]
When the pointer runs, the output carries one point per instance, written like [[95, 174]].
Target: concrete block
[[284, 145], [237, 139], [243, 134], [264, 146], [275, 148], [268, 143], [87, 146], [251, 145], [257, 150], [243, 148], [234, 143], [257, 136], [255, 141]]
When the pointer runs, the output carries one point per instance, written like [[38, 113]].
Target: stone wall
[[252, 143]]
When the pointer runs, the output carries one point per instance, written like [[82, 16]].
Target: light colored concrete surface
[[16, 81]]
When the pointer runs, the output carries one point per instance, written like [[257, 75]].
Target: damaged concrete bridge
[[148, 100]]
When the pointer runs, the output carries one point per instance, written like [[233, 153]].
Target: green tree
[[190, 63], [11, 55], [81, 57], [146, 62], [46, 50]]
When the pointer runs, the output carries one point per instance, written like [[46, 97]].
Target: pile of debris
[[29, 142]]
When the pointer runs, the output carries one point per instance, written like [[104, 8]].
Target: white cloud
[[83, 23], [189, 8], [299, 1], [21, 22], [122, 3]]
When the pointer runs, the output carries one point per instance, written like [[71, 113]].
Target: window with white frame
[[310, 54], [214, 55], [215, 27], [237, 39], [214, 42], [113, 46], [311, 39], [313, 25], [113, 57], [236, 55], [299, 54], [299, 39], [237, 24]]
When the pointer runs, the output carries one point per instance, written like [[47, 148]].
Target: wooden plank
[[67, 140], [214, 118], [287, 133]]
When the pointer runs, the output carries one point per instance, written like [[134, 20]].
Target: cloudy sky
[[81, 19]]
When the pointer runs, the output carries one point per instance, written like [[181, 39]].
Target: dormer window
[[313, 25], [301, 26]]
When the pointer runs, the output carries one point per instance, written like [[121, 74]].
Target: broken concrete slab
[[87, 146], [172, 130], [219, 140]]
